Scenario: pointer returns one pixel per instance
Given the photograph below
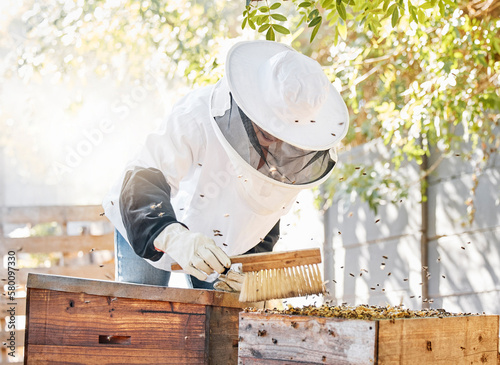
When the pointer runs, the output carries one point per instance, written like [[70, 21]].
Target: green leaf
[[413, 13], [386, 4], [395, 17], [279, 17], [342, 12], [251, 24], [261, 19], [313, 14], [362, 20], [391, 9], [441, 8], [304, 4], [426, 6], [302, 20], [243, 25], [332, 15], [315, 22], [275, 6], [421, 16], [342, 28], [280, 29], [270, 34], [264, 9], [264, 27], [482, 60], [496, 44], [314, 32], [326, 4]]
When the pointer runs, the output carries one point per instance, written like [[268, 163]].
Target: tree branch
[[361, 78]]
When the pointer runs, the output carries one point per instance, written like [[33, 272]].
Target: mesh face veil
[[268, 155]]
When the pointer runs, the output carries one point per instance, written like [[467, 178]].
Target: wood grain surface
[[80, 321], [284, 339], [451, 340], [133, 291]]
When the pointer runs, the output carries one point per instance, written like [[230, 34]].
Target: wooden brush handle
[[273, 260]]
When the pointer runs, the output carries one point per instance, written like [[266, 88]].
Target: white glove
[[197, 254], [232, 281]]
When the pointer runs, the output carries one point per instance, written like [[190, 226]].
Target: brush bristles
[[280, 283]]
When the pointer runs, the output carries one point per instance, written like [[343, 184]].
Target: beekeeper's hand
[[232, 281], [197, 254]]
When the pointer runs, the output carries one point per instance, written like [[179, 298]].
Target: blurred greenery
[[423, 76], [179, 38], [425, 88], [46, 229]]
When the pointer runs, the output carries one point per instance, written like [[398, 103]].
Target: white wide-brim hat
[[286, 94]]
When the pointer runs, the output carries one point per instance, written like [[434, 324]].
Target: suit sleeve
[[154, 175], [267, 244], [146, 209]]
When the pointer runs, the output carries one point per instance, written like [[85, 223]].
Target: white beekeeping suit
[[230, 160]]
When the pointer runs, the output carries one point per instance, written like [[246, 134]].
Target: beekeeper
[[226, 164]]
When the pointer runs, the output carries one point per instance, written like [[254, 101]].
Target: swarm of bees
[[366, 312]]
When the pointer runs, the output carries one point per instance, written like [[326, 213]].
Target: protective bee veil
[[272, 157]]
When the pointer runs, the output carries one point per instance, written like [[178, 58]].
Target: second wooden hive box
[[277, 339]]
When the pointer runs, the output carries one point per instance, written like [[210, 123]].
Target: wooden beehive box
[[273, 339], [80, 321]]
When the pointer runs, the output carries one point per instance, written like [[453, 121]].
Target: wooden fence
[[85, 254]]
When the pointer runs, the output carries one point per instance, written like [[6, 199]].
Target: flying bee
[[154, 206]]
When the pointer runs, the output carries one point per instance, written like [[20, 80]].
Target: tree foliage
[[66, 43], [127, 38], [424, 78], [370, 15], [433, 88]]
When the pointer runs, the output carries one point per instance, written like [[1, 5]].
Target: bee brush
[[276, 275]]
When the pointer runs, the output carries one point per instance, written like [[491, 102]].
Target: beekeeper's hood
[[278, 112]]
